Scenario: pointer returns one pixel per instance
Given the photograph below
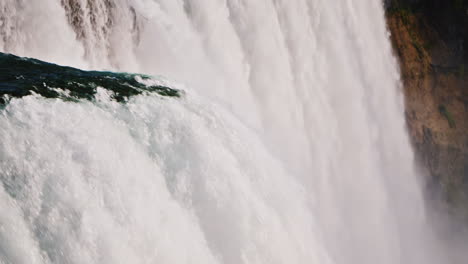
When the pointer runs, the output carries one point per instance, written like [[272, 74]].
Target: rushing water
[[288, 144]]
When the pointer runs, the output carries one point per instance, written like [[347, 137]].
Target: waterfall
[[289, 145]]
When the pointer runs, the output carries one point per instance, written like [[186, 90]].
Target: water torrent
[[288, 144]]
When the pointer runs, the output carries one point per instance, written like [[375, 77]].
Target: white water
[[289, 147]]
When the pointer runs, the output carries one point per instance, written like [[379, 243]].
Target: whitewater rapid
[[288, 146]]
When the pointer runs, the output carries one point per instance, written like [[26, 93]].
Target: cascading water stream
[[288, 146]]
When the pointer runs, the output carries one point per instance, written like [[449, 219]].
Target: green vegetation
[[446, 113], [402, 11]]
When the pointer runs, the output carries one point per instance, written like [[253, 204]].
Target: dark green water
[[24, 76]]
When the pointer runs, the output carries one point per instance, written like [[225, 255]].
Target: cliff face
[[430, 40]]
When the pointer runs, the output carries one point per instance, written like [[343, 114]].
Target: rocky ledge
[[430, 38]]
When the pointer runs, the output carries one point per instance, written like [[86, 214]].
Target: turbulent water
[[287, 144]]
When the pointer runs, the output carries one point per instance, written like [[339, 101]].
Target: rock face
[[430, 38]]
